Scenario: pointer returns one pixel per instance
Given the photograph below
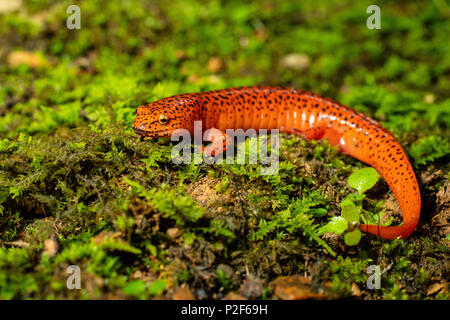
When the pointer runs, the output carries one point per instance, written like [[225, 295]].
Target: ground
[[78, 188]]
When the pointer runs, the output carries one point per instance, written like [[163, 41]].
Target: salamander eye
[[163, 119]]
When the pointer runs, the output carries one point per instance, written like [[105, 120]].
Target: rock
[[243, 41], [233, 295], [173, 233], [355, 290], [8, 6], [91, 282], [193, 78], [183, 293], [252, 287], [33, 60], [226, 268], [104, 235], [214, 79], [429, 98], [201, 294], [147, 276], [296, 61], [51, 246], [295, 287], [181, 55], [215, 64], [205, 193], [435, 288]]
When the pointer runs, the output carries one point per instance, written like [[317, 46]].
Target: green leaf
[[153, 250], [352, 238], [157, 287], [7, 145], [363, 179], [318, 212], [349, 212], [336, 225], [134, 288]]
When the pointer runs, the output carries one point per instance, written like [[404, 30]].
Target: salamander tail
[[391, 233]]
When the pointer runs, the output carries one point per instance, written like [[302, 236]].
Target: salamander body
[[295, 112]]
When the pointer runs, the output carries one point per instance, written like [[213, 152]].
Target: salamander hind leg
[[310, 134], [319, 133]]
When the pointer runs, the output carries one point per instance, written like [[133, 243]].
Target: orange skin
[[296, 112]]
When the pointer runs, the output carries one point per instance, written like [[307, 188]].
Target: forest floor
[[78, 188]]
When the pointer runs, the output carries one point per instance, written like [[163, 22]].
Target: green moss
[[296, 219], [429, 149], [346, 271]]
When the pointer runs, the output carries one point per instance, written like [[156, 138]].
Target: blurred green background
[[137, 51], [68, 97]]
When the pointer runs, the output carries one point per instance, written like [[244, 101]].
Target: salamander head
[[161, 118]]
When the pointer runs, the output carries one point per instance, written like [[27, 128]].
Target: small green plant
[[141, 290], [351, 207], [224, 279], [363, 179], [298, 217]]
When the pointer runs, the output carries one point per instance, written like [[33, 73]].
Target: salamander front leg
[[220, 141]]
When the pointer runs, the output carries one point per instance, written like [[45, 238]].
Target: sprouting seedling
[[351, 207]]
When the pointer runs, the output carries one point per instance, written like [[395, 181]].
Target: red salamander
[[295, 112]]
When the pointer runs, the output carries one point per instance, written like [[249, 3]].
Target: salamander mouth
[[146, 134]]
